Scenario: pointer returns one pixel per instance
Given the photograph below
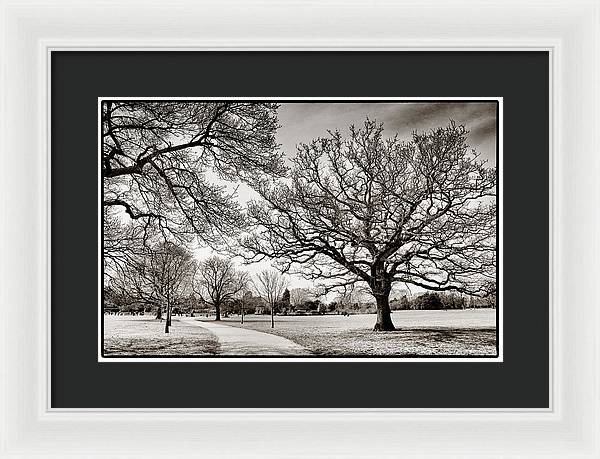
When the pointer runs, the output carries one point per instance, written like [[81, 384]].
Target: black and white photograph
[[300, 228]]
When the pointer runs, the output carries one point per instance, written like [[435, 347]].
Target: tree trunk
[[217, 311], [168, 320], [159, 313], [272, 318], [242, 314], [384, 318]]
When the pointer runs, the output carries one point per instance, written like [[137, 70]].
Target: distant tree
[[377, 211], [429, 301], [470, 302], [217, 282], [285, 301], [253, 304], [491, 294], [245, 302], [312, 305], [405, 303], [190, 302], [298, 296], [116, 300], [270, 285], [345, 301]]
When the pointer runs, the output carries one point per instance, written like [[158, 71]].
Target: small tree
[[405, 303], [245, 301], [285, 301], [270, 285], [217, 282], [491, 296], [158, 276], [298, 296]]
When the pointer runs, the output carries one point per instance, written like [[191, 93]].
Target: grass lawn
[[419, 333], [144, 335], [470, 332]]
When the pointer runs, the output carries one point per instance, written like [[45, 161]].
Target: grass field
[[419, 333], [470, 332], [144, 335]]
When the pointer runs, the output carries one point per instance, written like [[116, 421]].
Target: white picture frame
[[568, 29]]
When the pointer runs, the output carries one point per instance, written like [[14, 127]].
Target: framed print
[[220, 240]]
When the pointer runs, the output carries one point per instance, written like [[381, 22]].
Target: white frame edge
[[569, 29]]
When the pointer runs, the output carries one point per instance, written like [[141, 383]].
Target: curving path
[[242, 341]]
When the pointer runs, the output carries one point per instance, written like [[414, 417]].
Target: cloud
[[304, 121]]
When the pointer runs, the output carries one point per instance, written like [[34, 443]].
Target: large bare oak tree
[[378, 210]]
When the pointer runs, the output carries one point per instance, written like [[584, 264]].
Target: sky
[[302, 122]]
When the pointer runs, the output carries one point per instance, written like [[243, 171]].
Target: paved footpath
[[243, 341]]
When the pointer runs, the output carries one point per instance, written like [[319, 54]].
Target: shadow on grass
[[146, 337]]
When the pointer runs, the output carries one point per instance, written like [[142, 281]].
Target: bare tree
[[218, 282], [299, 296], [348, 299], [125, 263], [244, 300], [167, 273], [491, 294], [155, 156], [377, 210], [270, 285], [160, 276]]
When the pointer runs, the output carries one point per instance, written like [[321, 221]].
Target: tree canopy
[[382, 210], [156, 157]]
